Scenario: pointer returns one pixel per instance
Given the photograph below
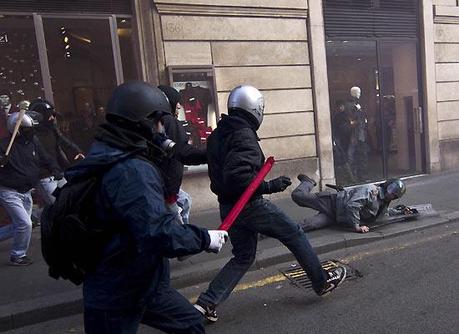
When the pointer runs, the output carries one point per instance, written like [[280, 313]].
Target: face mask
[[160, 144]]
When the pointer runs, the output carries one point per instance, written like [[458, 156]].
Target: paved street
[[408, 286]]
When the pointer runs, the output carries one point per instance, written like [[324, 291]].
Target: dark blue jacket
[[134, 264]]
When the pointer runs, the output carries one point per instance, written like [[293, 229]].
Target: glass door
[[355, 119], [83, 73], [375, 110], [401, 113]]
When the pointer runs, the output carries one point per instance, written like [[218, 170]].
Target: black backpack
[[72, 238]]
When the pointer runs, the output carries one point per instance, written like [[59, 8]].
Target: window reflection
[[80, 57], [124, 31]]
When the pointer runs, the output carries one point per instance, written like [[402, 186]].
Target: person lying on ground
[[355, 207]]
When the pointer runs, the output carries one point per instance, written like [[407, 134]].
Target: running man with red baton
[[234, 160]]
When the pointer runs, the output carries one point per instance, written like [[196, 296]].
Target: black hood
[[229, 124], [120, 138]]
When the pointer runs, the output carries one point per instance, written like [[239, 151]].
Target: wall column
[[430, 88], [320, 92]]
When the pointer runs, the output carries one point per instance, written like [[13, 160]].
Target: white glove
[[217, 240]]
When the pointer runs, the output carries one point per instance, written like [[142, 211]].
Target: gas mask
[[160, 145], [161, 139]]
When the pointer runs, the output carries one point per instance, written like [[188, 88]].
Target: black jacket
[[184, 154], [234, 159], [24, 162], [58, 147]]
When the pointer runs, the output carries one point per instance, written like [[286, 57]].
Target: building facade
[[303, 55]]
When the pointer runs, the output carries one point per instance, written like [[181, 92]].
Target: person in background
[[341, 131], [18, 175], [183, 154], [6, 108], [63, 151]]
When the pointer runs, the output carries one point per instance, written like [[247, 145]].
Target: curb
[[21, 314]]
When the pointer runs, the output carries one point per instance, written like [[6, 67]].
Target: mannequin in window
[[196, 101], [358, 145]]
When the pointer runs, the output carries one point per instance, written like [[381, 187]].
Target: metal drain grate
[[298, 277]]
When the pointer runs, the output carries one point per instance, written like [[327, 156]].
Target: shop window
[[81, 63], [20, 75]]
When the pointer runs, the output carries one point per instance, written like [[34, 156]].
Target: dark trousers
[[168, 311], [260, 216], [358, 159], [324, 202]]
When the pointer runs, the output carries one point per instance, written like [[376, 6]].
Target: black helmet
[[137, 101], [394, 187], [42, 106]]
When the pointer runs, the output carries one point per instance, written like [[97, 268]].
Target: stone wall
[[446, 19], [259, 42]]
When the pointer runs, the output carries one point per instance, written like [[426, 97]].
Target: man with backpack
[[129, 282]]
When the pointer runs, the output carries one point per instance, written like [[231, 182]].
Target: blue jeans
[[260, 216], [168, 311], [184, 202], [45, 188], [19, 208]]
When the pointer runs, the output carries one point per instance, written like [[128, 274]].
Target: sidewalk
[[29, 296]]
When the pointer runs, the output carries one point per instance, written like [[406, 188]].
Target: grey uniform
[[349, 207]]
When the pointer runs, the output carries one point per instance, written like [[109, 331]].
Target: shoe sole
[[308, 179], [337, 285], [203, 312], [14, 264]]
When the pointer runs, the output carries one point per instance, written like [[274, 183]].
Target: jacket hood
[[99, 158], [229, 124]]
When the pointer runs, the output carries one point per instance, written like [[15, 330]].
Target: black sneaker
[[336, 276], [207, 311], [20, 261], [303, 178]]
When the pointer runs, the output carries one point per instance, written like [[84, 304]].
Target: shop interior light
[[81, 38], [67, 46], [66, 39]]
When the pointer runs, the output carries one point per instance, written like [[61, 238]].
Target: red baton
[[237, 208]]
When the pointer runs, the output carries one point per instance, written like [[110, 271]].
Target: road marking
[[361, 256], [348, 259], [258, 284]]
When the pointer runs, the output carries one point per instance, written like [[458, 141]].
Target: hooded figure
[[131, 282], [183, 154]]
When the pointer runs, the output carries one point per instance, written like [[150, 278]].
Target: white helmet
[[249, 99], [27, 121]]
